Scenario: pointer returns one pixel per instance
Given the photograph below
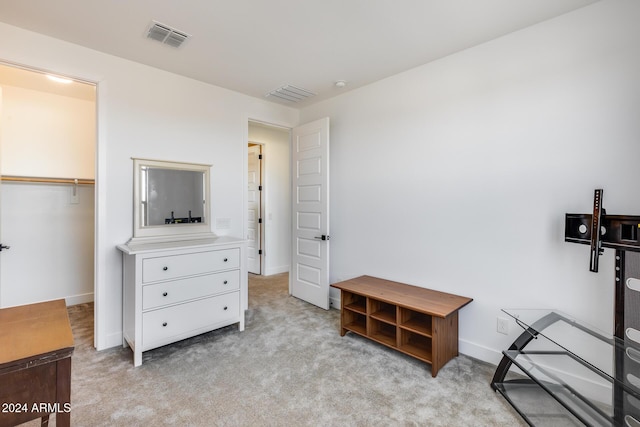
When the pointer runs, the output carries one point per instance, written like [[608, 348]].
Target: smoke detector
[[166, 35], [291, 93]]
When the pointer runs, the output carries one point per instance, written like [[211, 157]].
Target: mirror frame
[[169, 232]]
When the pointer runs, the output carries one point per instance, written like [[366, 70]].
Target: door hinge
[[259, 251], [259, 187], [259, 220], [259, 156]]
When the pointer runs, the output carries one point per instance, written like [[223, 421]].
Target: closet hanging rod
[[43, 180]]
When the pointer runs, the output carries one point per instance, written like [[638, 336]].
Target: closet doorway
[[47, 201], [270, 207]]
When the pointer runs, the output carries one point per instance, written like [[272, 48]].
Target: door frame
[[99, 230], [288, 126]]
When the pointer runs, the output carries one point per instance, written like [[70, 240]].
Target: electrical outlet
[[502, 325]]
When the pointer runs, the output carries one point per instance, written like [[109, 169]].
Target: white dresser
[[175, 290]]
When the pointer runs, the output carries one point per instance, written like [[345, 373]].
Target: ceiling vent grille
[[291, 93], [167, 35]]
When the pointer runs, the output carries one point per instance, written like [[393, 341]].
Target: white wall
[[51, 241], [145, 112], [277, 194], [47, 135], [456, 175]]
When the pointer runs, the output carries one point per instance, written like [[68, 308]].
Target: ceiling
[[33, 80], [256, 46]]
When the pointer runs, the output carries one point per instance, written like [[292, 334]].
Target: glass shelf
[[536, 405], [583, 340], [561, 371]]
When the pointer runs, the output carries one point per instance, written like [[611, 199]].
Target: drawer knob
[[164, 294], [226, 281], [164, 324], [226, 259], [165, 268], [225, 307]]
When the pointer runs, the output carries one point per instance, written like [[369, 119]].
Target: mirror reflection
[[171, 196]]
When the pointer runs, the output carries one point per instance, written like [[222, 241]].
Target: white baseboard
[[479, 352], [276, 270], [79, 299], [114, 339], [334, 302]]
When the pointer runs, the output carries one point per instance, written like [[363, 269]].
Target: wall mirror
[[171, 200]]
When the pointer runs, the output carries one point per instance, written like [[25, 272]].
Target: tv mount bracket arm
[[596, 231]]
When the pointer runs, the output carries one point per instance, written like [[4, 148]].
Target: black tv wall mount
[[599, 231]]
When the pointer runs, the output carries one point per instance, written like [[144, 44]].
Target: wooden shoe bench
[[420, 322]]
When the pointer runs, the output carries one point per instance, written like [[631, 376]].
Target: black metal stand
[[532, 332], [599, 231], [619, 232]]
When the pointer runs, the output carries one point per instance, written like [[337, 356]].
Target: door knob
[[4, 247], [323, 237]]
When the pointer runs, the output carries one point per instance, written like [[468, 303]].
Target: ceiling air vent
[[167, 35], [291, 93]]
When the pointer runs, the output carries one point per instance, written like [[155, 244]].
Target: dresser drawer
[[175, 291], [181, 321], [172, 267]]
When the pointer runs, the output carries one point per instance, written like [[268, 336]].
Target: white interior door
[[309, 277], [253, 216]]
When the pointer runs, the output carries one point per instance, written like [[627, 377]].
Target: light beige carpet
[[290, 367]]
